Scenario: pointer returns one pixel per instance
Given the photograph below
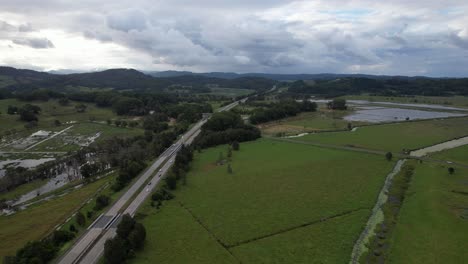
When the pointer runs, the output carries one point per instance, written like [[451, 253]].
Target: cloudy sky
[[406, 37]]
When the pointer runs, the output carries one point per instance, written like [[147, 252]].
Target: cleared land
[[38, 220], [322, 120], [397, 137], [82, 134], [433, 220], [277, 193]]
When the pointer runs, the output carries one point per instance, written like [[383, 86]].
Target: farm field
[[230, 92], [396, 137], [433, 220], [459, 154], [277, 192], [322, 120], [38, 220]]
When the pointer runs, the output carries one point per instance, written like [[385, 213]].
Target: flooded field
[[385, 114]]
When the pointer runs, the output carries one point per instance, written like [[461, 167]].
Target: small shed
[[41, 133]]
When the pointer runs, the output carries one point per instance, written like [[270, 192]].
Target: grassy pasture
[[277, 190], [309, 122], [433, 220], [398, 136], [38, 220], [230, 92], [459, 154]]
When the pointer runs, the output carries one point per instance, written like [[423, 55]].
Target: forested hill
[[119, 79]]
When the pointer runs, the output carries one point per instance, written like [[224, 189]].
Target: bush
[[80, 219], [101, 202], [60, 237]]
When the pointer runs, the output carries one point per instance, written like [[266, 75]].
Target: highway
[[90, 246]]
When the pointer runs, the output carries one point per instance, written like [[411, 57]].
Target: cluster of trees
[[225, 128], [15, 176], [127, 171], [281, 110], [390, 86], [41, 251], [130, 237], [27, 112], [337, 104], [179, 169]]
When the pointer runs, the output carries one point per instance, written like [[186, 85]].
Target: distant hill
[[276, 77], [123, 79]]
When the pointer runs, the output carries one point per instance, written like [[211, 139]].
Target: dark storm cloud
[[35, 43]]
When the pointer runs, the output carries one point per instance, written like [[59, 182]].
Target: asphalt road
[[90, 246]]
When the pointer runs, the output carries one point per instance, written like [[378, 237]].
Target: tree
[[12, 110], [115, 251], [57, 122], [137, 236], [80, 108], [101, 202], [235, 145], [389, 156], [171, 182], [28, 116], [125, 226], [350, 126], [109, 122], [61, 236], [117, 122], [72, 228], [63, 101], [80, 218], [337, 104], [451, 170], [36, 252], [229, 153]]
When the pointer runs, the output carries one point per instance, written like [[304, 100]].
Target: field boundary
[[208, 231], [321, 220]]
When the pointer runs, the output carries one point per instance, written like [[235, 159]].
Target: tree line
[[225, 128], [279, 110]]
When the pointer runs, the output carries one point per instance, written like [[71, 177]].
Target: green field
[[277, 192], [396, 137], [51, 111], [433, 221], [230, 92], [459, 154], [309, 122], [38, 220]]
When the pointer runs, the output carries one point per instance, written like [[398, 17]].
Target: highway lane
[[90, 245]]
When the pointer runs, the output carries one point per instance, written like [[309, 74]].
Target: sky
[[391, 37]]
